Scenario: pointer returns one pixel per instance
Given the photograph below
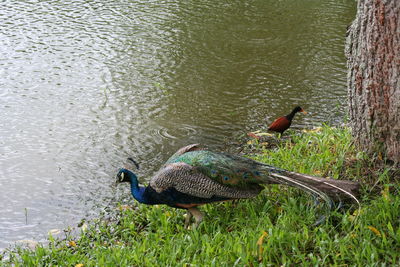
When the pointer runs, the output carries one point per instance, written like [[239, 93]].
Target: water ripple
[[85, 84]]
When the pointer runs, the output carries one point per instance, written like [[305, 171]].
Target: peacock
[[195, 176]]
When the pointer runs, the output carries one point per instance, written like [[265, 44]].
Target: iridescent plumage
[[194, 176]]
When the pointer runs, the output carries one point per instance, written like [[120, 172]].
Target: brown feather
[[280, 125]]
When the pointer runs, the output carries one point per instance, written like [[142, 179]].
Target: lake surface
[[84, 84]]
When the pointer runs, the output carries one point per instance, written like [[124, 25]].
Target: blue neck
[[138, 193], [136, 190]]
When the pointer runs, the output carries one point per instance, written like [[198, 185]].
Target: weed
[[272, 229]]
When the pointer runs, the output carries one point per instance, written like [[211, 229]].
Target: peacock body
[[194, 176]]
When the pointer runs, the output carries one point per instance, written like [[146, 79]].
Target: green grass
[[273, 229]]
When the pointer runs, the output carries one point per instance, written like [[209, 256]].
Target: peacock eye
[[122, 177]]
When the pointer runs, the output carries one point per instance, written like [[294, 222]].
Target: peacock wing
[[183, 150], [191, 180], [225, 168]]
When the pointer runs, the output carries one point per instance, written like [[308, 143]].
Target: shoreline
[[273, 228]]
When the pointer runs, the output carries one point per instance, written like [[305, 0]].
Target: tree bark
[[373, 53]]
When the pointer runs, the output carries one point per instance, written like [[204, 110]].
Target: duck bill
[[303, 111]]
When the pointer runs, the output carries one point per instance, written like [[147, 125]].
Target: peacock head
[[125, 175]]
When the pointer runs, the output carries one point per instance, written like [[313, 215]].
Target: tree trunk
[[373, 53]]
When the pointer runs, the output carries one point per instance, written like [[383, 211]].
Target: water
[[84, 84]]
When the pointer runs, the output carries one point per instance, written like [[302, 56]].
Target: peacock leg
[[187, 219], [198, 216]]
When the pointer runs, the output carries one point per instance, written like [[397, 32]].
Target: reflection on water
[[84, 84]]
